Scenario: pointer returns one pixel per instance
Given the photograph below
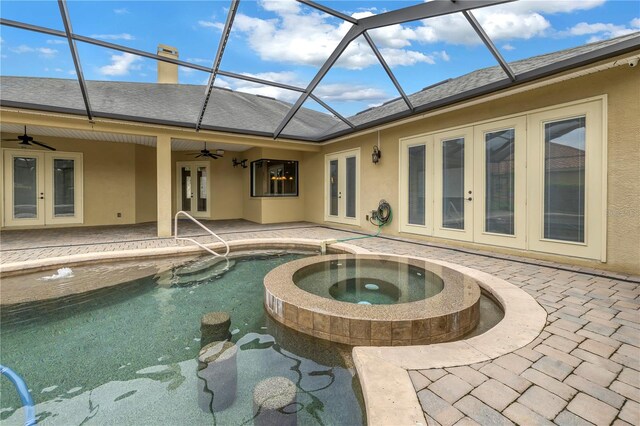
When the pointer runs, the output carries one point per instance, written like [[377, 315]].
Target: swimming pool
[[127, 354]]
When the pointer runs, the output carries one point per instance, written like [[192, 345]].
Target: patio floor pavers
[[583, 368]]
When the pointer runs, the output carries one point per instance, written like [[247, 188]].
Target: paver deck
[[584, 368]]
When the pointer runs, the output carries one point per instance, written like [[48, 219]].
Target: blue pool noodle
[[23, 391]]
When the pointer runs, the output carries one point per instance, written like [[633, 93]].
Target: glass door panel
[[186, 194], [350, 190], [453, 183], [25, 187], [63, 187], [202, 189], [499, 182], [333, 187]]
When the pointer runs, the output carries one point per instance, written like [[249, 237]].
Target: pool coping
[[383, 372]]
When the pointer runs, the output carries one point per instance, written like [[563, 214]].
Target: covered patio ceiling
[[486, 80], [68, 133]]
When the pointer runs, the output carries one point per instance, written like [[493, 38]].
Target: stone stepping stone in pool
[[218, 264], [214, 326], [218, 371], [193, 273], [274, 402]]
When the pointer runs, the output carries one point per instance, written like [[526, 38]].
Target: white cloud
[[635, 22], [122, 11], [44, 52], [508, 47], [348, 92], [341, 92], [309, 38], [57, 41], [120, 65], [284, 77], [209, 24], [200, 60], [121, 36], [442, 55], [600, 31]]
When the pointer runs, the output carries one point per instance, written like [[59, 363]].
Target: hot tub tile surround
[[448, 315]]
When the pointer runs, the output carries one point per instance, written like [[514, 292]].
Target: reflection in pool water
[[127, 355]]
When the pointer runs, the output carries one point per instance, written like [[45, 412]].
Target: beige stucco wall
[[145, 189], [621, 85]]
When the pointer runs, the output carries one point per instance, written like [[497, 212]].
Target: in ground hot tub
[[373, 300]]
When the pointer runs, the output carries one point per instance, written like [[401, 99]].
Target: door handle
[[469, 199], [339, 194], [42, 195]]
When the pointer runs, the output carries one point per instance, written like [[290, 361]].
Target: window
[[274, 178]]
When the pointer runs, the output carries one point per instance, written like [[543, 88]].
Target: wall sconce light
[[376, 154], [237, 163]]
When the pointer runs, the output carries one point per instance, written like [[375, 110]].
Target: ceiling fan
[[27, 140], [206, 153]]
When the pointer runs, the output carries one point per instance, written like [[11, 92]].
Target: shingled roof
[[237, 112]]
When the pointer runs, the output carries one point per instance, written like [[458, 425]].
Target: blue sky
[[286, 41]]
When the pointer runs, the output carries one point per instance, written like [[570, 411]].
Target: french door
[[42, 188], [193, 188], [467, 184], [342, 200]]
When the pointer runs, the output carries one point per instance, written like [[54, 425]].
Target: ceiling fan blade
[[43, 145], [10, 140]]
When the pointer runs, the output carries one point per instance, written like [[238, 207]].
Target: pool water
[[368, 281], [127, 354]]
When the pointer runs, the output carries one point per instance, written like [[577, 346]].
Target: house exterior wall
[[109, 178], [381, 181], [146, 194]]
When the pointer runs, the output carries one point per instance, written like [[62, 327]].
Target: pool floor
[[127, 355]]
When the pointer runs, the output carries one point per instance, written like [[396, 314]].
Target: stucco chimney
[[167, 72]]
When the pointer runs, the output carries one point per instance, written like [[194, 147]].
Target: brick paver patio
[[584, 368]]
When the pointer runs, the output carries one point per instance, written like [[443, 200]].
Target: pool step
[[195, 272]]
